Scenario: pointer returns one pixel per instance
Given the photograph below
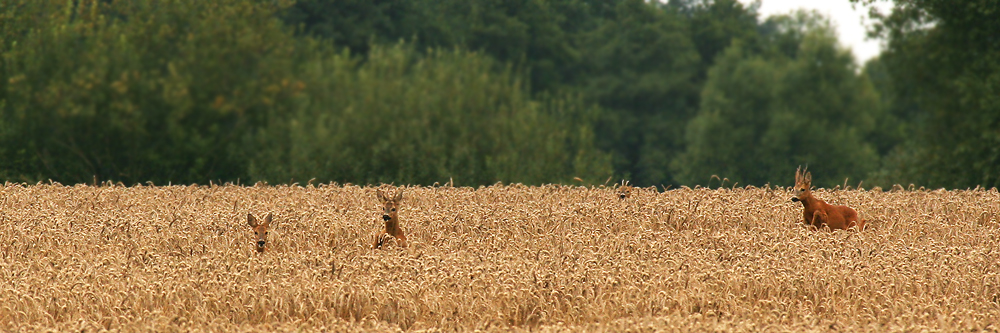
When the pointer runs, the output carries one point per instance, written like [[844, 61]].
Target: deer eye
[[394, 209], [265, 233]]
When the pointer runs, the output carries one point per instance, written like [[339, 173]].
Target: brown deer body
[[259, 230], [390, 214], [817, 212]]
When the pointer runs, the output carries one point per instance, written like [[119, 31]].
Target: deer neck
[[392, 224], [809, 201]]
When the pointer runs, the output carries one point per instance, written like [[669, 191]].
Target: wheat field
[[548, 258]]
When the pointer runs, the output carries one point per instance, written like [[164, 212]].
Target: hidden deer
[[259, 230], [390, 215], [624, 191], [818, 213]]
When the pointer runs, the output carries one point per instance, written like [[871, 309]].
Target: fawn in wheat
[[817, 212], [390, 214]]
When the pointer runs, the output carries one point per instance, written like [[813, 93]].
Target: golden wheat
[[552, 258]]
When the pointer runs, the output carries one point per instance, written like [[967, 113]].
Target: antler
[[802, 175]]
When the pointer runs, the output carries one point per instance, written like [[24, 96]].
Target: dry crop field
[[549, 258]]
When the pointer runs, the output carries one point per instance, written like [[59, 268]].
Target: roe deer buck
[[624, 191], [390, 214], [259, 230], [817, 212]]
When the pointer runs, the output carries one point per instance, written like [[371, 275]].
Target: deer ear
[[399, 196], [252, 221], [267, 220], [380, 195], [809, 177]]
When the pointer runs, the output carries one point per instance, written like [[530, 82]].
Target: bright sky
[[849, 21]]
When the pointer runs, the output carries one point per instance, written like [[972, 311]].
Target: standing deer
[[390, 214], [259, 230], [817, 212]]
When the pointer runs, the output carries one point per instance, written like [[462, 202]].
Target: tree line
[[483, 91]]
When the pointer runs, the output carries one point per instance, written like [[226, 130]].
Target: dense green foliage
[[192, 91], [480, 91], [138, 91], [761, 113], [942, 77], [408, 119]]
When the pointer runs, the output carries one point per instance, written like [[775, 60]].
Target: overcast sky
[[850, 22]]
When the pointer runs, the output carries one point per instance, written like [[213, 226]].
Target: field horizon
[[501, 257]]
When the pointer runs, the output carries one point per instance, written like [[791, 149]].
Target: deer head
[[259, 230], [803, 183], [624, 191], [390, 206]]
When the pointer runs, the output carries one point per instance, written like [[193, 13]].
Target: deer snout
[[386, 217], [795, 199], [261, 243]]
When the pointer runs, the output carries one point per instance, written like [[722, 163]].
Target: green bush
[[146, 90], [407, 118], [763, 114], [191, 91]]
